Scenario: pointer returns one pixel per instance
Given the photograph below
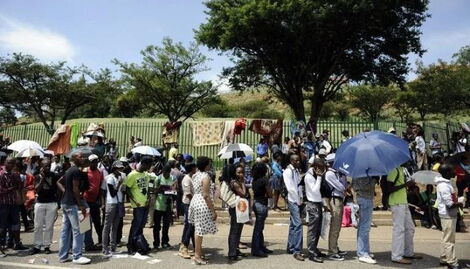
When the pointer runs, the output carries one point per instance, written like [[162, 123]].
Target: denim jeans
[[137, 226], [95, 218], [363, 227], [257, 241], [295, 240], [188, 230], [70, 231], [234, 234]]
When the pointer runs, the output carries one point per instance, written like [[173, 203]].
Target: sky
[[94, 32]]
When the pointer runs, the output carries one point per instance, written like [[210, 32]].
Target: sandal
[[199, 262]]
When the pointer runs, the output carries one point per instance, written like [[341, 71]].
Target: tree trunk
[[317, 105]]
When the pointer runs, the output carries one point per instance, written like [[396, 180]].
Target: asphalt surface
[[427, 244]]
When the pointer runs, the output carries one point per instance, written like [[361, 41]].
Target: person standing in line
[[237, 179], [276, 179], [188, 192], [137, 185], [10, 187], [262, 191], [113, 197], [285, 146], [365, 190], [435, 146], [291, 178], [45, 209], [201, 209], [314, 207], [421, 155], [461, 143], [448, 205], [403, 226], [262, 148], [75, 184], [93, 197], [339, 185], [163, 208]]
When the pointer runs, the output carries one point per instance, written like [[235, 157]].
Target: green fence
[[151, 133]]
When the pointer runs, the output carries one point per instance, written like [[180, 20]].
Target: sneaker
[[20, 246], [2, 253], [34, 250], [336, 257], [166, 246], [342, 253], [184, 253], [115, 252], [107, 254], [402, 261], [47, 251], [69, 259], [366, 259], [82, 260]]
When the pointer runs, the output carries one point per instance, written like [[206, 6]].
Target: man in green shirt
[[403, 226], [136, 186], [163, 207]]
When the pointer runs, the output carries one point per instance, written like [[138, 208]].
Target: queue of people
[[300, 172]]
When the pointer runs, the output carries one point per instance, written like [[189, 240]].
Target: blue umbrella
[[373, 153]]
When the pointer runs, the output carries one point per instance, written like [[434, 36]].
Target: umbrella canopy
[[425, 177], [49, 152], [85, 151], [94, 133], [30, 152], [373, 153], [237, 150], [21, 145], [146, 150]]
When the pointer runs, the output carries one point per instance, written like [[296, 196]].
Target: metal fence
[[151, 133]]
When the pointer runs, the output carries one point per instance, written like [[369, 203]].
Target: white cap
[[123, 159], [83, 141], [93, 157], [330, 157], [322, 151]]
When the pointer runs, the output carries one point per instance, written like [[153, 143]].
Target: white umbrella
[[425, 176], [146, 150], [94, 133], [235, 150], [30, 152], [21, 145]]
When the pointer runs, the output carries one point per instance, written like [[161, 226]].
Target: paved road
[[426, 244]]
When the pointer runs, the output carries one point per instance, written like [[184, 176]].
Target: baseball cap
[[392, 130], [322, 152], [330, 158], [118, 164], [92, 157], [123, 160]]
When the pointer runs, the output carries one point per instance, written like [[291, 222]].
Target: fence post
[[25, 131], [448, 137], [376, 125]]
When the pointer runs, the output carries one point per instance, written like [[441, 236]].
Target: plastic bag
[[242, 210], [325, 225]]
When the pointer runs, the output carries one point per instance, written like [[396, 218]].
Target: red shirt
[[95, 179]]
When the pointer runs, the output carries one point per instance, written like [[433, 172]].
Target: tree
[[371, 100], [164, 82], [48, 91], [306, 50], [403, 104], [7, 117], [462, 57]]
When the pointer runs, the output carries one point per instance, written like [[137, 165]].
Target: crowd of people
[[160, 189]]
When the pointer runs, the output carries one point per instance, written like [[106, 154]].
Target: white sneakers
[[82, 260], [367, 259]]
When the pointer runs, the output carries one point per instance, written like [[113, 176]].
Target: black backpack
[[325, 188], [283, 190], [141, 245]]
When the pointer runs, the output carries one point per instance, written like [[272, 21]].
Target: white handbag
[[227, 195]]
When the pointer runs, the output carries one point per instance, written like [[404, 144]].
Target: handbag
[[227, 195]]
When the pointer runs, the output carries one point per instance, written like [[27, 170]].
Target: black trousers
[[234, 234], [158, 218]]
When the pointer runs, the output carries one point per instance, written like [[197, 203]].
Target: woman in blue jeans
[[262, 191]]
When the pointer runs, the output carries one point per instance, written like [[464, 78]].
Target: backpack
[[384, 188], [325, 188], [141, 245], [283, 189]]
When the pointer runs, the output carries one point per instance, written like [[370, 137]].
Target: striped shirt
[[7, 181]]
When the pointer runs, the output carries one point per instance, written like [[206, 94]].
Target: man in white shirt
[[314, 206], [421, 155], [325, 144], [291, 178]]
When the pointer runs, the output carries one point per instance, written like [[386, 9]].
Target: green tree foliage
[[48, 92], [306, 50], [371, 100], [403, 104], [7, 117], [462, 57], [164, 82], [127, 105]]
